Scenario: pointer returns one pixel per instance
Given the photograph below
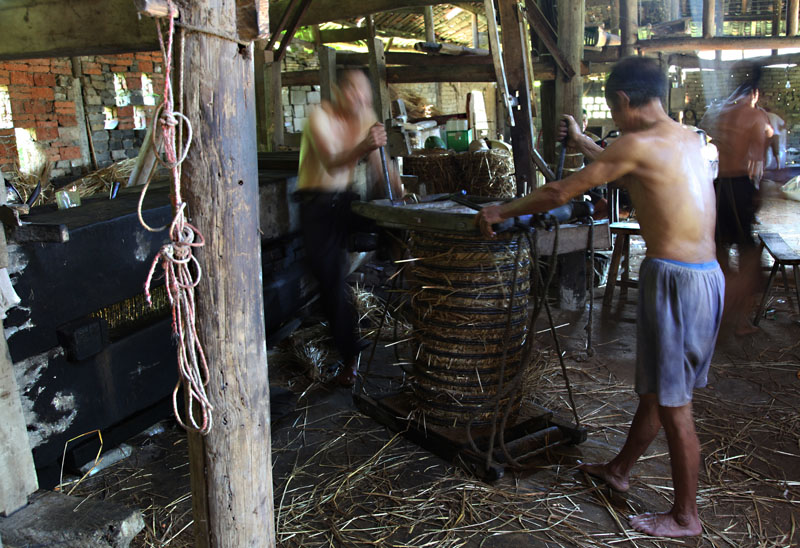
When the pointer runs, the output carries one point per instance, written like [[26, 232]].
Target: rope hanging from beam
[[182, 271]]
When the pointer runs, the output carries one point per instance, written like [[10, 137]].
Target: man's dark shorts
[[680, 308], [737, 203]]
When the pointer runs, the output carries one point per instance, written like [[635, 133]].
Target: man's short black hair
[[749, 77], [640, 78]]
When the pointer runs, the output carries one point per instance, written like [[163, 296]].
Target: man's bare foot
[[666, 525], [347, 376], [617, 483]]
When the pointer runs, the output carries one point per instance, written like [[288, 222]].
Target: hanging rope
[[182, 271]]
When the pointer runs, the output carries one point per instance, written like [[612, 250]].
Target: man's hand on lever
[[488, 216], [376, 138]]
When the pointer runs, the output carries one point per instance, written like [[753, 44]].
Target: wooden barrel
[[461, 288]]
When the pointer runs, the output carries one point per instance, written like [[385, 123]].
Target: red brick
[[38, 107], [146, 66], [3, 72], [46, 125], [125, 124], [65, 120], [46, 134], [61, 69], [70, 153], [134, 82], [124, 56], [39, 68], [23, 67], [40, 62], [120, 68], [21, 78], [53, 154], [4, 80], [44, 80], [89, 66], [46, 117], [43, 93], [24, 121], [20, 92], [64, 104], [125, 112]]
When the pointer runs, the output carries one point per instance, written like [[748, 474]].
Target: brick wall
[[45, 98]]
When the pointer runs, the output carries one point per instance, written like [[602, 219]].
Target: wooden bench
[[621, 254], [783, 256]]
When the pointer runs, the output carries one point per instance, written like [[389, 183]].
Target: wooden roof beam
[[334, 10], [541, 26]]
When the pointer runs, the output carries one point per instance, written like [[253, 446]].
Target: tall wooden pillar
[[628, 26], [327, 72], [569, 94], [514, 62], [776, 17], [231, 469], [16, 461], [709, 25], [265, 117], [430, 32], [614, 16], [792, 8]]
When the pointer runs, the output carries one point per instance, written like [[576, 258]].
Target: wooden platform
[[531, 432]]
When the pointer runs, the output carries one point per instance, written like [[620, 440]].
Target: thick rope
[[182, 271]]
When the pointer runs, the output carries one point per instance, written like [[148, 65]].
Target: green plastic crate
[[459, 140]]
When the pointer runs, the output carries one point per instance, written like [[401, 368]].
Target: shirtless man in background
[[338, 134], [742, 132], [680, 283]]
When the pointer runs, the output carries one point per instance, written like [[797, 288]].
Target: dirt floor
[[341, 479]]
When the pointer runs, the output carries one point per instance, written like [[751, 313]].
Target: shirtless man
[[741, 131], [680, 283], [336, 137]]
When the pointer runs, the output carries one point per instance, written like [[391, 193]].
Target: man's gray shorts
[[680, 308]]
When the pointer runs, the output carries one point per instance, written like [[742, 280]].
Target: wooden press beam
[[541, 26], [231, 472]]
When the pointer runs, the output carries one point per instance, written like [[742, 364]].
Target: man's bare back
[[741, 133], [667, 176], [672, 188]]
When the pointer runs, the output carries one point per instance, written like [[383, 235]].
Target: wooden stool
[[622, 253], [783, 256]]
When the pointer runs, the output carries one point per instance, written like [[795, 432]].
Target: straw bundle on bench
[[480, 173]]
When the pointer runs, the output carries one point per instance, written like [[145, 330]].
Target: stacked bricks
[[297, 104], [45, 100]]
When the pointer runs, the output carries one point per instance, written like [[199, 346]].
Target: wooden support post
[[275, 87], [614, 16], [792, 8], [674, 10], [776, 18], [569, 94], [629, 24], [476, 38], [16, 460], [327, 72], [85, 140], [430, 32], [377, 73], [709, 25], [231, 472], [514, 63], [264, 113]]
